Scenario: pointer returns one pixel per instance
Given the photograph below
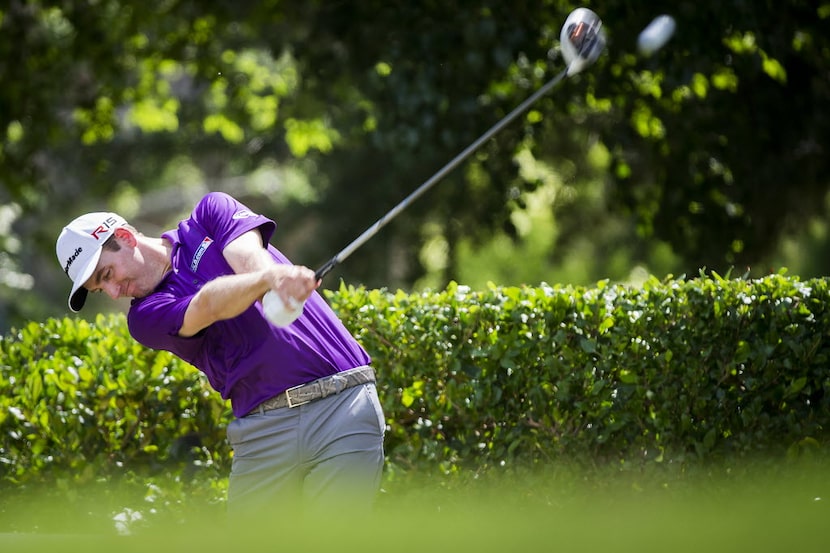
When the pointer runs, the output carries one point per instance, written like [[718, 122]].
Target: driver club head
[[582, 39]]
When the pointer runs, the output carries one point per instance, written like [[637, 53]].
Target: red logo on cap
[[104, 227]]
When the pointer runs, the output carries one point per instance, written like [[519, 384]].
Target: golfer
[[308, 426]]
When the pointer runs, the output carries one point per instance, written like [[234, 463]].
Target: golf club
[[581, 42]]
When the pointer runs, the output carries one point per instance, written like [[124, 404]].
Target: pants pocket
[[371, 391]]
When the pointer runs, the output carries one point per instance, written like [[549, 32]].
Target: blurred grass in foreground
[[749, 508]]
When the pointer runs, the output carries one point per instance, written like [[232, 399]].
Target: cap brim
[[77, 297]]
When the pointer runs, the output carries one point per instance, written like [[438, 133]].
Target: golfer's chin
[[134, 292]]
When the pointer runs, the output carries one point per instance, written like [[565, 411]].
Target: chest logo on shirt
[[200, 251]]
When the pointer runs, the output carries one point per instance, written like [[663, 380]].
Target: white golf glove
[[278, 312]]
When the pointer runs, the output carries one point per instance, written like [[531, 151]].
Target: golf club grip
[[453, 163], [325, 269]]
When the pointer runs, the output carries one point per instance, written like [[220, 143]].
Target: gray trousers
[[319, 455]]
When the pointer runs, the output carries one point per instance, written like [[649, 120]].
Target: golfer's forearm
[[229, 296], [220, 299]]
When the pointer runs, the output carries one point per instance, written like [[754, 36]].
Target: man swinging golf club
[[309, 426]]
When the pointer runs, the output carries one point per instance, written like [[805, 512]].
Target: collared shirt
[[246, 359]]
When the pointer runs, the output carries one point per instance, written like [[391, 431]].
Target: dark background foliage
[[716, 145]]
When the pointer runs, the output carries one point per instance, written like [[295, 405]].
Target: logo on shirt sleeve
[[200, 251], [244, 214]]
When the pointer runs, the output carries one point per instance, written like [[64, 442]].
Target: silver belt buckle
[[291, 404]]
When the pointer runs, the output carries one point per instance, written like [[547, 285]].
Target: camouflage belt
[[317, 389]]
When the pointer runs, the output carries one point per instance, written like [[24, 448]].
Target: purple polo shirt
[[246, 359]]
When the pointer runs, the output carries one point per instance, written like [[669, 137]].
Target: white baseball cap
[[79, 249]]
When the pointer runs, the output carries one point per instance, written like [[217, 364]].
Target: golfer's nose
[[112, 290]]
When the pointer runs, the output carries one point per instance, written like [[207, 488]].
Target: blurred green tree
[[326, 114]]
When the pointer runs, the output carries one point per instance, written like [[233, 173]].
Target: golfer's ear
[[125, 236]]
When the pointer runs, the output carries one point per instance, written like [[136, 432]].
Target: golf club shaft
[[380, 223]]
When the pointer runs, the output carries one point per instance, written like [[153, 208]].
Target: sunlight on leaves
[[303, 136], [646, 123], [700, 85], [263, 111], [383, 69], [648, 83], [97, 124], [14, 132], [773, 68], [230, 131], [151, 116], [725, 79], [741, 43], [599, 105]]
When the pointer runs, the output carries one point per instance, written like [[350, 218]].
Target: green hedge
[[82, 404], [681, 370]]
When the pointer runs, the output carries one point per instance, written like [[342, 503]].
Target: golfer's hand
[[293, 283]]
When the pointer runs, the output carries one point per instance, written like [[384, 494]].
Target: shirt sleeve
[[154, 321], [225, 218]]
